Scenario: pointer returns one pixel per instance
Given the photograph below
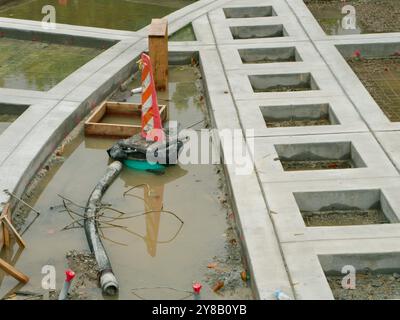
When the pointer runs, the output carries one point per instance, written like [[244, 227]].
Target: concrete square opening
[[249, 12], [370, 275], [318, 156], [9, 113], [298, 115], [283, 82], [269, 55], [255, 32], [344, 208]]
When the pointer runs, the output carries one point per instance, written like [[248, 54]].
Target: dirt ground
[[298, 123], [280, 88], [343, 217], [227, 274], [369, 286], [373, 16], [381, 77], [290, 165]]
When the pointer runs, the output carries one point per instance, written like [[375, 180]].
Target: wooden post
[[6, 233], [8, 268], [8, 228], [158, 51]]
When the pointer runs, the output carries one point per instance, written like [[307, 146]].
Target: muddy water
[[157, 251], [372, 16], [184, 34], [6, 120], [113, 14], [39, 66]]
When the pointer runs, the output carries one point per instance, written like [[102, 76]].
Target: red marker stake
[[196, 290], [70, 275]]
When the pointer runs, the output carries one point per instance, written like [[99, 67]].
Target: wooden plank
[[111, 130], [98, 114], [19, 239], [6, 235], [158, 51], [9, 269]]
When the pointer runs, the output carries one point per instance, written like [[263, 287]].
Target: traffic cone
[[151, 120]]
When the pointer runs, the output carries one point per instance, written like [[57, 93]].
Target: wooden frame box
[[94, 126]]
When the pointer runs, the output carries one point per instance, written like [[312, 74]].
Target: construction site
[[199, 150]]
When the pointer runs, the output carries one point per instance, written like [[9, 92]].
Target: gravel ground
[[290, 165], [369, 286], [298, 123], [344, 217], [381, 77], [373, 16]]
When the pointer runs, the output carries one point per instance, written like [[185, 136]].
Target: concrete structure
[[282, 252]]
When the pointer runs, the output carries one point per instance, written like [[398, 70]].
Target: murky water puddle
[[372, 16], [6, 120], [112, 14], [37, 65], [184, 34], [381, 77], [158, 251]]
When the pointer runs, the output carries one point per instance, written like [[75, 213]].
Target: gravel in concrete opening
[[381, 77], [298, 165], [372, 16], [344, 217], [324, 121], [370, 285]]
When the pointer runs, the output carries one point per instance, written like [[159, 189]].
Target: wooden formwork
[[94, 126]]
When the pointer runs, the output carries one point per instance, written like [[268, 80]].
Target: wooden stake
[[6, 234], [19, 239], [13, 272], [158, 51]]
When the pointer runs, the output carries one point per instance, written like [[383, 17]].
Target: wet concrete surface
[[381, 77], [151, 250], [372, 16], [37, 65], [112, 14]]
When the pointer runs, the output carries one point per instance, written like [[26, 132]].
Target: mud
[[369, 286], [372, 16], [85, 284], [290, 165], [39, 66], [381, 77], [343, 217], [298, 123]]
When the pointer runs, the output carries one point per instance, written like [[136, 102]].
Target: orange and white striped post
[[151, 119]]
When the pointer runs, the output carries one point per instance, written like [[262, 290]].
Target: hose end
[[109, 284]]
